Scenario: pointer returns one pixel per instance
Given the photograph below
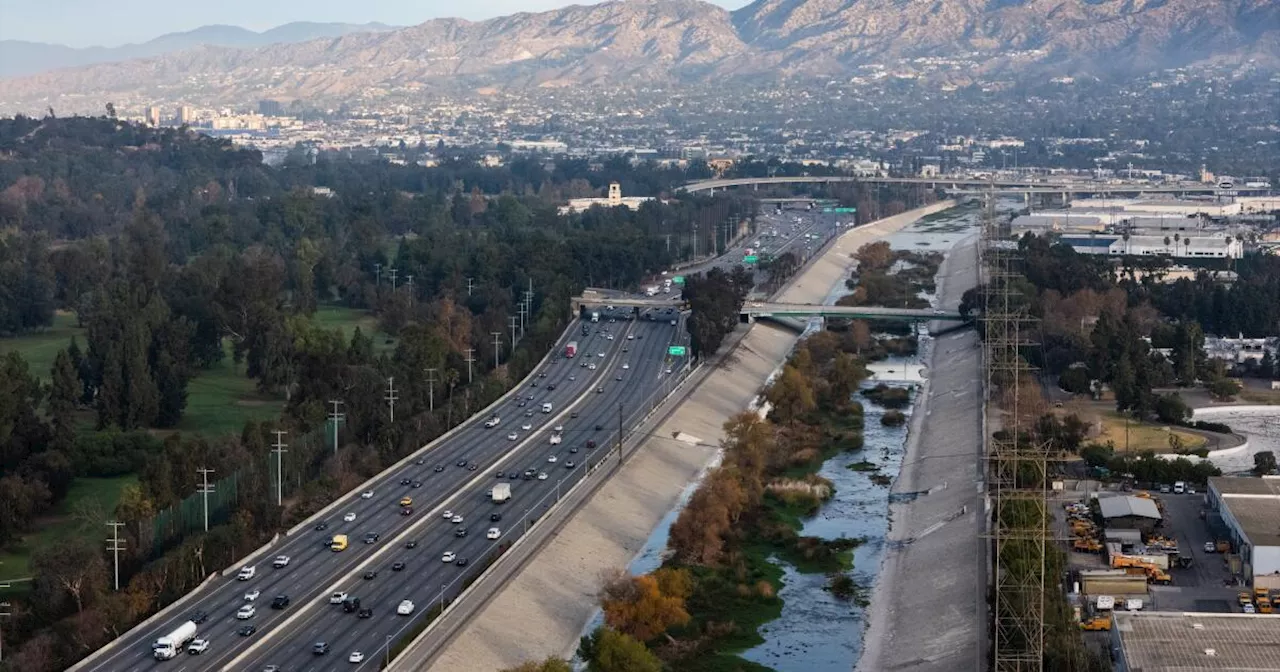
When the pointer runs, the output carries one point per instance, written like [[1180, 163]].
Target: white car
[[252, 595], [558, 428], [1209, 547], [512, 436], [552, 459], [246, 612], [280, 561], [350, 517], [405, 608], [1248, 608], [591, 367], [631, 337], [456, 520], [246, 573], [555, 439], [600, 355], [449, 556], [198, 646], [492, 422], [367, 494], [625, 366], [448, 514], [526, 426], [355, 657], [493, 533], [337, 598], [542, 476]]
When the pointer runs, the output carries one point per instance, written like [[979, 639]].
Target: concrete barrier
[[251, 558]]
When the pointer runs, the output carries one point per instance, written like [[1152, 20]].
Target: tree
[[548, 665], [791, 396], [637, 606], [1172, 409], [1264, 462], [68, 569], [607, 650], [1223, 388]]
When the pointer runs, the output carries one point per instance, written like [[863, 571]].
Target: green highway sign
[[679, 279], [840, 211], [676, 350], [750, 259]]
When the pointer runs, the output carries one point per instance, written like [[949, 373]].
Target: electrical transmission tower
[[1017, 462]]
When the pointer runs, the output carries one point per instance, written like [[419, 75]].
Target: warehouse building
[[1144, 641], [1208, 246], [1250, 509], [1124, 511]]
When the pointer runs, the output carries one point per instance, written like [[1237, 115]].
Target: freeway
[[433, 581], [313, 569], [1015, 186]]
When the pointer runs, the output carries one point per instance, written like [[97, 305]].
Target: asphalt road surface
[[285, 637]]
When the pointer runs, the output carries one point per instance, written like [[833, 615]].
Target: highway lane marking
[[398, 540], [383, 590]]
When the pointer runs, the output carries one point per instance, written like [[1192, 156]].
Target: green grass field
[[332, 316], [39, 349], [84, 512]]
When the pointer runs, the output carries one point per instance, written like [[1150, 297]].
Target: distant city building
[[270, 108], [1185, 246], [152, 115], [1240, 350], [184, 115], [1166, 207], [614, 199]]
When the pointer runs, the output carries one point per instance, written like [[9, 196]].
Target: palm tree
[[1166, 244]]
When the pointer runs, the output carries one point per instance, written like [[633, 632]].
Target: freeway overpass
[[958, 184], [755, 309]]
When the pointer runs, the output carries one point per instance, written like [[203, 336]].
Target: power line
[[391, 396], [115, 545], [279, 451], [336, 417], [205, 488]]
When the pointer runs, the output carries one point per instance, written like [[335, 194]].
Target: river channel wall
[[542, 611]]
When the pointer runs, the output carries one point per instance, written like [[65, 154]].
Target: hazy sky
[[82, 23]]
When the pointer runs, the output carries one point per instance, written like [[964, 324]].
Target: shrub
[[893, 418]]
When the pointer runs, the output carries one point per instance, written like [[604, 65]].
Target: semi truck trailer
[[168, 646]]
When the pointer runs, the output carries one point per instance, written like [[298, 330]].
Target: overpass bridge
[[1022, 187], [757, 309]]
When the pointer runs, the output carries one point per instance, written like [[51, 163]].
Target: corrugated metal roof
[[1151, 641], [1117, 507]]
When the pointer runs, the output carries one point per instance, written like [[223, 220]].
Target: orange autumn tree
[[646, 606]]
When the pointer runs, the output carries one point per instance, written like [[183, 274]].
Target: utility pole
[[471, 358], [524, 309], [279, 450], [391, 396], [116, 545], [336, 417], [205, 488], [392, 272], [470, 284], [4, 613], [497, 348], [511, 321], [377, 274], [410, 282], [431, 389]]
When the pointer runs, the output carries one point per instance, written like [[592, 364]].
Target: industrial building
[[1127, 512], [1250, 510], [1162, 207], [1183, 246], [1143, 641]]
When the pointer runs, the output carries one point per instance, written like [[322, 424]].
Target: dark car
[[460, 532], [533, 384], [522, 403], [439, 468], [462, 463], [406, 481], [599, 427], [513, 476], [247, 630], [421, 461], [364, 613], [461, 562], [350, 604], [551, 386], [280, 602], [472, 467], [542, 375], [199, 617], [573, 414], [495, 517], [398, 566], [500, 474], [321, 526], [591, 444], [320, 648], [371, 574], [417, 484], [371, 538], [406, 511], [573, 449]]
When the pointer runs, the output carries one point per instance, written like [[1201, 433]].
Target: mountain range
[[18, 57], [673, 41]]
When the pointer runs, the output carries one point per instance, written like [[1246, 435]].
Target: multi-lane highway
[[631, 370]]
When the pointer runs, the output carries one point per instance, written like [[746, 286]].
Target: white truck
[[500, 493], [595, 316], [168, 646]]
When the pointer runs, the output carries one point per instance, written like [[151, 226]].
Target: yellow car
[[406, 501], [1244, 598]]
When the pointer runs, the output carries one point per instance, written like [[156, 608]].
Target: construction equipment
[[1224, 546], [1243, 597], [1264, 605], [1099, 622], [1087, 545]]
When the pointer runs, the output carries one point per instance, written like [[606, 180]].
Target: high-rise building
[[153, 115], [184, 114], [270, 108]]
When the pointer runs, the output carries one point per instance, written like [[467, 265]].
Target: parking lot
[[1206, 586]]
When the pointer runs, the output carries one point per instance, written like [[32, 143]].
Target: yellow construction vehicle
[[1086, 546], [1243, 597], [1099, 622], [1264, 605]]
